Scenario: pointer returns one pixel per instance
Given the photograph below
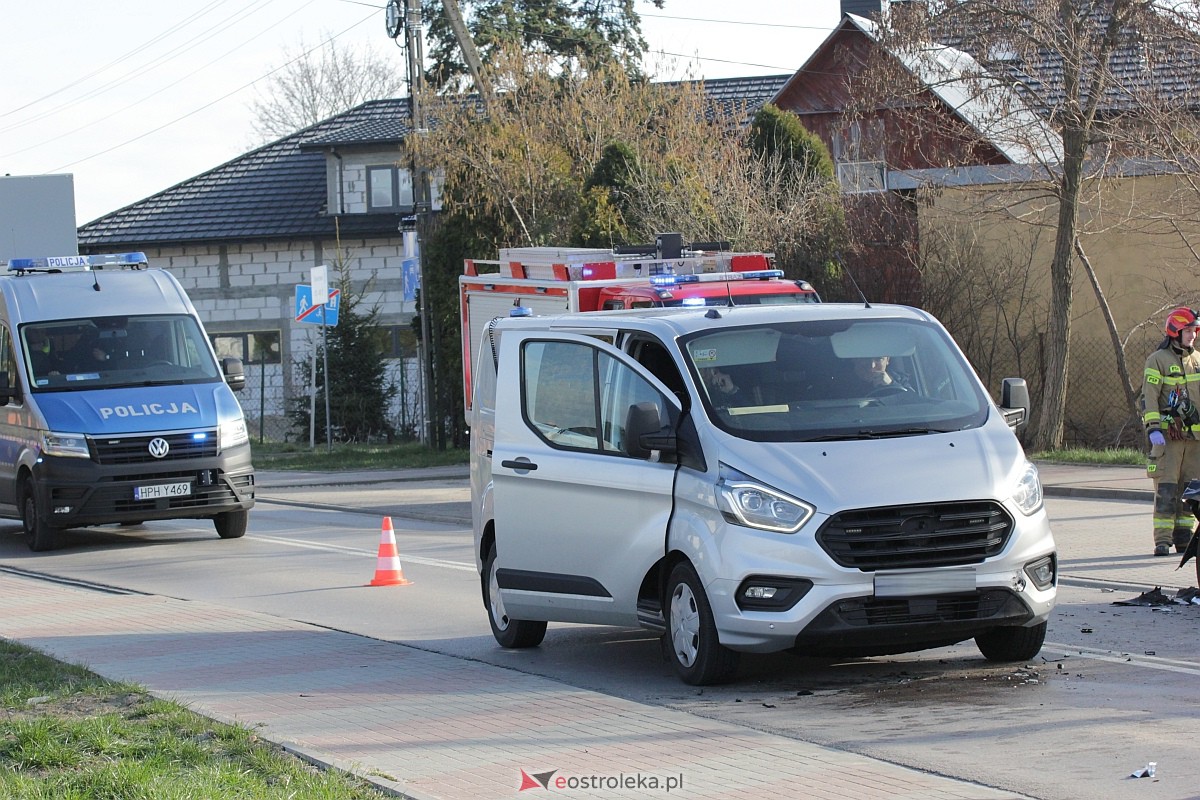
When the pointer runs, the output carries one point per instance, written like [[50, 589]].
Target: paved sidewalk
[[435, 727]]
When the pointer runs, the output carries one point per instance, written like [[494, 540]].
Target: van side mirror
[[235, 375], [645, 432], [1014, 402], [7, 393]]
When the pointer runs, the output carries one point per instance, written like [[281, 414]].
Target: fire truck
[[557, 280]]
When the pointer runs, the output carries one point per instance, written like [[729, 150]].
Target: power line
[[228, 94], [98, 120], [825, 28]]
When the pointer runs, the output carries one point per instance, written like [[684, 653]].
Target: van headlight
[[233, 433], [69, 445], [1028, 495], [745, 501]]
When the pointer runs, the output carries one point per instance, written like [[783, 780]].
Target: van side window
[[8, 361], [576, 397]]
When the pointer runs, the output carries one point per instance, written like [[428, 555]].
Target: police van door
[[579, 521]]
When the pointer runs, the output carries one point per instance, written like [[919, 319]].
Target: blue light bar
[[662, 280], [77, 262], [762, 273], [693, 301]]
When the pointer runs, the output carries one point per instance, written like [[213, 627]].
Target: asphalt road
[[1108, 693]]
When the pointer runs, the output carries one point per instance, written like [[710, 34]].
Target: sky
[[135, 96]]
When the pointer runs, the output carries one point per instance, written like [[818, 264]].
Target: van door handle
[[521, 463]]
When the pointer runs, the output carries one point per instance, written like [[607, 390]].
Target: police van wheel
[[691, 638], [509, 632], [42, 537], [1011, 644], [231, 524]]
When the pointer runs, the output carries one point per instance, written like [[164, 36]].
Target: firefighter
[[1172, 422]]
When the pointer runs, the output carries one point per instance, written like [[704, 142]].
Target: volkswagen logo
[[158, 447]]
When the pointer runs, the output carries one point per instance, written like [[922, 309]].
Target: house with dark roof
[[242, 236], [971, 154]]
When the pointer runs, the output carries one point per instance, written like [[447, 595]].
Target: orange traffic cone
[[388, 571]]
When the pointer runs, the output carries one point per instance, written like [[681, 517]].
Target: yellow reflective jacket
[[1169, 371]]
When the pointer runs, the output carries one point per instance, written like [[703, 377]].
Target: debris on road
[[1146, 771], [1157, 597]]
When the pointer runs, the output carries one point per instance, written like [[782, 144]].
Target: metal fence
[[1097, 413], [271, 394]]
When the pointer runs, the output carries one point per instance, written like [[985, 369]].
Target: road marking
[[358, 551], [1115, 657]]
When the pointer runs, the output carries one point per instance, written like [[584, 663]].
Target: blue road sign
[[307, 312]]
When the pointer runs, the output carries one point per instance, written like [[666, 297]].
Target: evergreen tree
[[570, 32]]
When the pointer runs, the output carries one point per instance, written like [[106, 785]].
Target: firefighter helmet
[[1179, 319]]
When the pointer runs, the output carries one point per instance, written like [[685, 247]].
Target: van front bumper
[[75, 492], [850, 620]]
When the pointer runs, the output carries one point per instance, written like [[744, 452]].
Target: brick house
[[241, 236]]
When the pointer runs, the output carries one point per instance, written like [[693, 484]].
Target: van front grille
[[916, 536], [136, 449]]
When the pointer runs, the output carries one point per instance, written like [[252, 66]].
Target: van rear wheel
[[1011, 644], [691, 638], [509, 632], [42, 536], [231, 524]]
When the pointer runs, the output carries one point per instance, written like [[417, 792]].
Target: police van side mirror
[[645, 432], [1014, 402], [235, 375]]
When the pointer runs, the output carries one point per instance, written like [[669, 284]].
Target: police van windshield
[[835, 379], [108, 352]]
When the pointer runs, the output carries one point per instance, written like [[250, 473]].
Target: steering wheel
[[886, 389]]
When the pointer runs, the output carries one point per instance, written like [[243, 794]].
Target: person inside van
[[873, 375], [86, 354], [41, 359], [719, 383]]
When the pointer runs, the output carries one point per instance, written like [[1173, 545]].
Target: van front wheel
[[42, 537], [231, 524], [691, 638], [509, 632], [1011, 644]]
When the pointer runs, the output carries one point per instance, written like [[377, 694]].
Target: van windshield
[[109, 352], [835, 379]]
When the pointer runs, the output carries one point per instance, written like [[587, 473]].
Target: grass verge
[[68, 734], [293, 456], [1120, 456]]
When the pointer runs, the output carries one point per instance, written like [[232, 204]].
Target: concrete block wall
[[251, 286]]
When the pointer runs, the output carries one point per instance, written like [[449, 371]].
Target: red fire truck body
[[556, 280]]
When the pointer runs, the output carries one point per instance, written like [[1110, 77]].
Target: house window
[[858, 150], [389, 189], [253, 347]]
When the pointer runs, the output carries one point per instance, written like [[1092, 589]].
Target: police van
[[831, 479], [114, 406]]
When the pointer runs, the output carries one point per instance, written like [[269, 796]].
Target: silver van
[[831, 479], [116, 409]]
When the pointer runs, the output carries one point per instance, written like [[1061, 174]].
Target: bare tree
[[526, 172], [1111, 80], [315, 83]]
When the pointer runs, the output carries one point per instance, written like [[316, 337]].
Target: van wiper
[[888, 434], [867, 433]]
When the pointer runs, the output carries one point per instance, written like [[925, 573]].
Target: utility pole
[[422, 201], [467, 45]]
